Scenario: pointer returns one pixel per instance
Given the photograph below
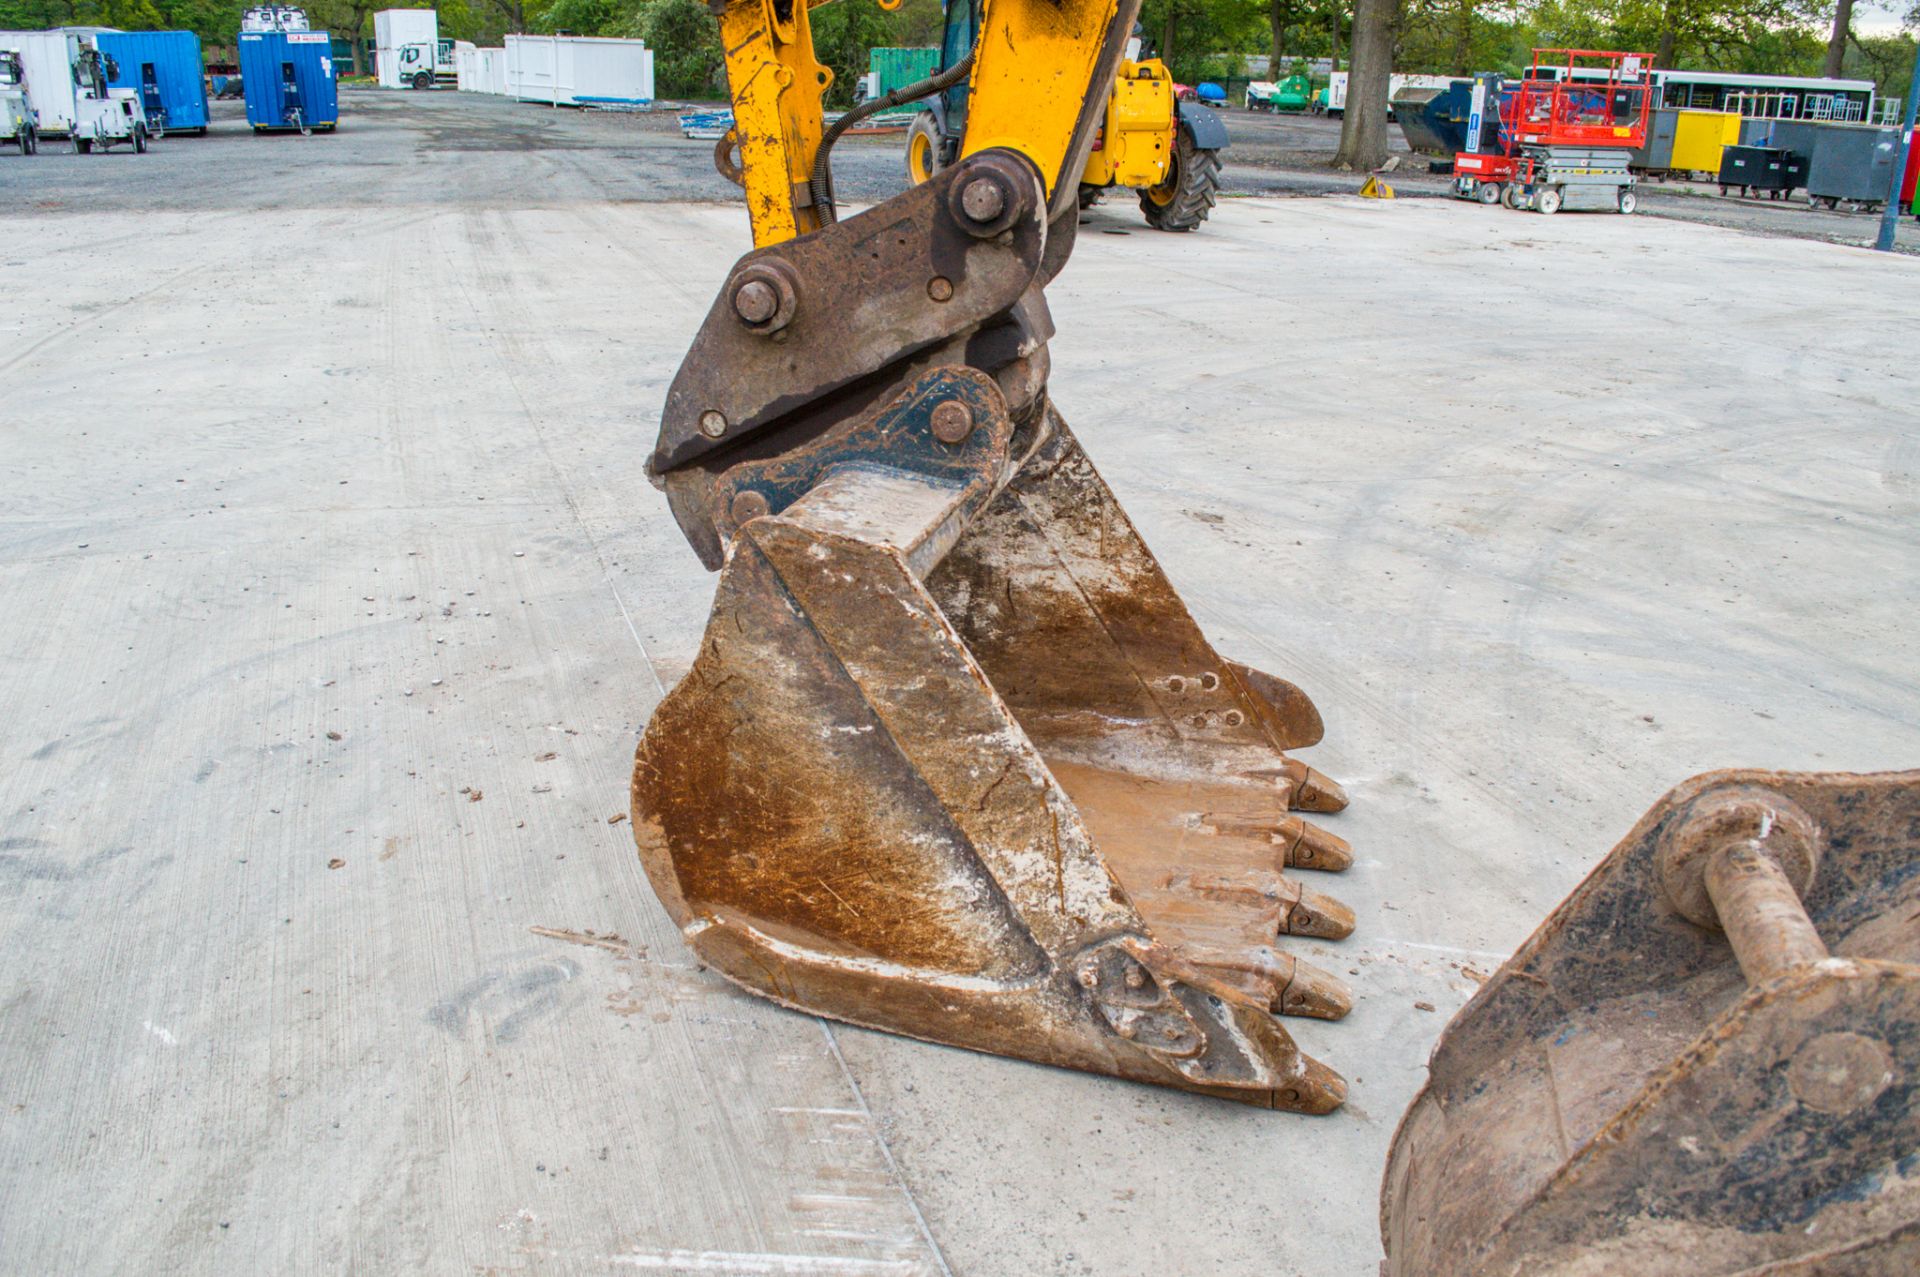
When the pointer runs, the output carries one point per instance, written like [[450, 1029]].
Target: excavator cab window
[[956, 42]]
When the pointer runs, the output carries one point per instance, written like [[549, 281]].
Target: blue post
[[1890, 215]]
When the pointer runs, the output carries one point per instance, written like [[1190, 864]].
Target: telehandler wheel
[[1183, 201], [923, 148]]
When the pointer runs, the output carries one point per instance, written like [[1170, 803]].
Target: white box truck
[[406, 49]]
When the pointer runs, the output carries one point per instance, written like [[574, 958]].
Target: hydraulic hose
[[820, 181]]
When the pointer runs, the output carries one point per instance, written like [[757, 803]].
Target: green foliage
[[583, 17], [842, 35], [1203, 39], [214, 23], [685, 39]]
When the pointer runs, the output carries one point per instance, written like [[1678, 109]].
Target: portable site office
[[166, 70], [289, 80]]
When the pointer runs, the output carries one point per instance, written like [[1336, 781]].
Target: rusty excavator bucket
[[1705, 1062], [954, 760]]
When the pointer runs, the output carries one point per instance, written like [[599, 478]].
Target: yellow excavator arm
[[1037, 87], [954, 759]]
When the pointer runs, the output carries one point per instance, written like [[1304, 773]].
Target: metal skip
[[1704, 1062]]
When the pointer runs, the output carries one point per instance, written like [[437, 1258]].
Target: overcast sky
[[1876, 18]]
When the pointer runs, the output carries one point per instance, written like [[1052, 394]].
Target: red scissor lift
[[1566, 133]]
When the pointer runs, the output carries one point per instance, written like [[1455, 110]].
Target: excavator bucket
[[1705, 1062], [955, 761]]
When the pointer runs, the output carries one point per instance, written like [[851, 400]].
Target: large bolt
[[983, 199], [713, 423], [1741, 861], [952, 422], [756, 301], [940, 288]]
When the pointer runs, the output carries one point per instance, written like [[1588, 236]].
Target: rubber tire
[[29, 140], [423, 79], [1488, 193], [923, 133], [139, 139], [82, 145], [1183, 201], [1628, 200], [1089, 195], [1510, 196], [1548, 201]]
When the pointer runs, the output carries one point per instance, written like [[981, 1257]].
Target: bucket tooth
[[1310, 847], [954, 761], [1318, 915], [1308, 790], [1314, 993]]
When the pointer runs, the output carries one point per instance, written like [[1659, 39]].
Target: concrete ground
[[336, 598]]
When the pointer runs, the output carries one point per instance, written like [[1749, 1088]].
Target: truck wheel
[[1183, 201], [423, 79], [923, 148]]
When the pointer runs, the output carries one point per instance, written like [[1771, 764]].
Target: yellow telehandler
[[1149, 141]]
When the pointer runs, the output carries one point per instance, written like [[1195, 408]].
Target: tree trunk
[[1166, 40], [1463, 39], [1663, 56], [1837, 42], [1363, 129], [1277, 12]]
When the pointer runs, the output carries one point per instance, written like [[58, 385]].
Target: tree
[[685, 40], [1837, 42], [1363, 128]]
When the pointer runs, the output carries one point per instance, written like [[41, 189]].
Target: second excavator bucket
[[1705, 1062], [955, 761]]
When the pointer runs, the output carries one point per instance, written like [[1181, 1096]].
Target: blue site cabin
[[165, 69], [288, 78]]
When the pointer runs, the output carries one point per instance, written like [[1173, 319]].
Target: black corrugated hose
[[820, 182]]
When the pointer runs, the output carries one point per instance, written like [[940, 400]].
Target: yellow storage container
[[1700, 136]]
